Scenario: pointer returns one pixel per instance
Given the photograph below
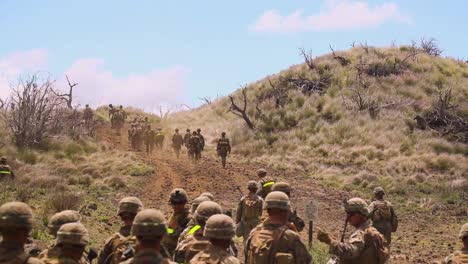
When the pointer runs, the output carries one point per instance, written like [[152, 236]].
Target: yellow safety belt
[[268, 183]]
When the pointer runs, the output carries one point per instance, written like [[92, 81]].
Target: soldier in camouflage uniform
[[55, 222], [186, 141], [266, 183], [296, 223], [249, 211], [159, 139], [272, 241], [178, 219], [16, 221], [223, 148], [219, 230], [72, 239], [193, 241], [177, 142], [194, 146], [149, 228], [461, 256], [5, 171], [149, 139], [382, 215], [111, 115], [120, 241], [365, 245], [88, 116], [196, 202]]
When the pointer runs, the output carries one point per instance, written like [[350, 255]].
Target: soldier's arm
[[239, 211], [104, 254], [299, 250], [350, 249], [229, 146]]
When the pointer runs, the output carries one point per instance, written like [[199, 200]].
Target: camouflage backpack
[[374, 239], [123, 248], [459, 257], [251, 208], [263, 247], [382, 211], [223, 145]]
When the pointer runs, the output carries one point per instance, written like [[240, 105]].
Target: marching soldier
[[249, 211], [223, 148], [460, 256], [177, 142], [266, 183], [296, 223], [382, 215], [186, 140], [112, 111], [194, 146], [5, 170], [286, 247], [178, 219], [150, 138]]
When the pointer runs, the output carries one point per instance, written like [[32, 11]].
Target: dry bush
[[45, 182], [459, 184], [60, 201], [85, 180], [24, 193], [115, 182]]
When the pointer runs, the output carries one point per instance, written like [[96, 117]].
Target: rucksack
[[251, 208], [459, 258], [223, 145], [122, 245], [263, 247], [382, 211], [375, 240]]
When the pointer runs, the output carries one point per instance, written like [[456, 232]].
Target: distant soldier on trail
[[88, 115], [266, 183], [159, 139], [460, 256], [16, 222], [365, 245], [382, 215], [124, 113], [150, 139], [177, 142], [118, 243], [223, 148], [202, 142], [249, 211], [118, 120], [111, 115], [5, 171], [186, 141], [194, 146], [294, 220]]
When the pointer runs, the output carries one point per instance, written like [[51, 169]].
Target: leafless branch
[[241, 110], [308, 58]]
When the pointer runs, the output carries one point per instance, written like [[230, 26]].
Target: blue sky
[[148, 53]]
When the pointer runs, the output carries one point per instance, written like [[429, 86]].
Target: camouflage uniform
[[159, 139], [286, 247], [218, 227], [177, 142], [382, 215], [186, 141], [72, 235], [266, 183], [194, 241], [202, 140], [150, 138], [149, 225], [15, 217], [111, 115], [296, 222], [460, 256], [363, 244], [249, 211], [120, 241], [194, 146], [223, 148], [177, 220], [88, 116], [5, 170]]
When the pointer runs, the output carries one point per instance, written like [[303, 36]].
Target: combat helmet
[[261, 173], [463, 231], [197, 201], [379, 190], [15, 215], [73, 234], [149, 224], [278, 200], [223, 134], [252, 185], [187, 130], [209, 195], [178, 196], [356, 205], [282, 187], [130, 205], [219, 226], [198, 130], [205, 210], [61, 218], [3, 159], [176, 130]]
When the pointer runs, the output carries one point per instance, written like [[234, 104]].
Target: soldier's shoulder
[[291, 235], [34, 261]]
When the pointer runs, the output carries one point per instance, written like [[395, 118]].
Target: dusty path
[[421, 238]]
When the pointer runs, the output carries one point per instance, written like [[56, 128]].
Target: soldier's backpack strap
[[275, 243]]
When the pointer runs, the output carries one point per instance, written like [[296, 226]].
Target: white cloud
[[98, 86], [17, 63], [337, 15]]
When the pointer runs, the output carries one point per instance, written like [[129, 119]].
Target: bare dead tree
[[364, 46], [343, 61], [241, 110], [308, 58], [163, 113], [67, 97], [205, 99], [430, 46]]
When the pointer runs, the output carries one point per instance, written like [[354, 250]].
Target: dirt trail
[[208, 176]]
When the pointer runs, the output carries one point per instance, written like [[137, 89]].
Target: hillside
[[348, 118]]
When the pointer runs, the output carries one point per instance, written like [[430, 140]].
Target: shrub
[[44, 182], [319, 253], [115, 182], [85, 180], [24, 193], [27, 156], [72, 149], [140, 169], [60, 201]]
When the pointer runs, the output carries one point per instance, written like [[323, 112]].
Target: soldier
[[55, 222], [121, 241], [5, 170], [382, 215], [202, 140], [272, 241], [149, 138], [365, 245], [146, 124], [460, 256], [194, 146], [186, 140], [149, 228], [266, 182], [296, 223], [194, 242], [209, 195], [15, 224], [159, 138], [196, 202], [111, 115], [87, 114], [223, 148], [117, 120], [124, 113], [177, 142], [249, 211], [178, 219], [72, 239], [219, 230]]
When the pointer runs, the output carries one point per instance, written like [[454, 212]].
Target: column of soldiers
[[117, 117], [142, 135]]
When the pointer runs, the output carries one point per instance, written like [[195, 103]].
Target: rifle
[[344, 229], [240, 191]]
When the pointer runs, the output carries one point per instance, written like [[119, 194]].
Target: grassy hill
[[347, 118]]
